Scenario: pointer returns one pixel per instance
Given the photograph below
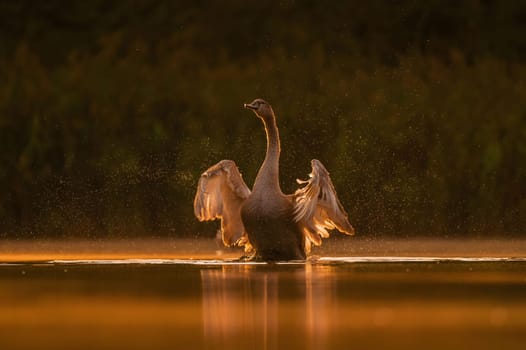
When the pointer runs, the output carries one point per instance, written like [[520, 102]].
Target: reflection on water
[[240, 305], [212, 304], [244, 304], [403, 303]]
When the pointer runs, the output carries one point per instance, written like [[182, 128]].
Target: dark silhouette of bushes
[[109, 112]]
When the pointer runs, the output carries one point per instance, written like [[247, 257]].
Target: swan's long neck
[[268, 175]]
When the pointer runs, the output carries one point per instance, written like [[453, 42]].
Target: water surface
[[332, 302]]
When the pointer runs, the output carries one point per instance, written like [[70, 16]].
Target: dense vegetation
[[109, 111]]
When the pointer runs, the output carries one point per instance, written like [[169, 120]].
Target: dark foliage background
[[110, 110]]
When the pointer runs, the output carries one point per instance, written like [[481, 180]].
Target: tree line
[[109, 112]]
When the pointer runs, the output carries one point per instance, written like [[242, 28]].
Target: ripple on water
[[321, 260]]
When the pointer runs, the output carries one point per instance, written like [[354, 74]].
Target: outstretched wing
[[317, 208], [220, 193]]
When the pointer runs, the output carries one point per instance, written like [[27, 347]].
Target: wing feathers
[[317, 208], [220, 193]]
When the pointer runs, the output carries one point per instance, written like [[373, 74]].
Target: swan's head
[[261, 108]]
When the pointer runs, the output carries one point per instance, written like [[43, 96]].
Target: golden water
[[334, 302]]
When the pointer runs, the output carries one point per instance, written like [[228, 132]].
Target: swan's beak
[[250, 106]]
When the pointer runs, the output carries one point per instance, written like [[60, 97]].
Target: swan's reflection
[[263, 307]]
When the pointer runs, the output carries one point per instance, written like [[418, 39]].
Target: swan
[[271, 226]]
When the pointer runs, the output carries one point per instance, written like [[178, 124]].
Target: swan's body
[[270, 228], [270, 224]]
